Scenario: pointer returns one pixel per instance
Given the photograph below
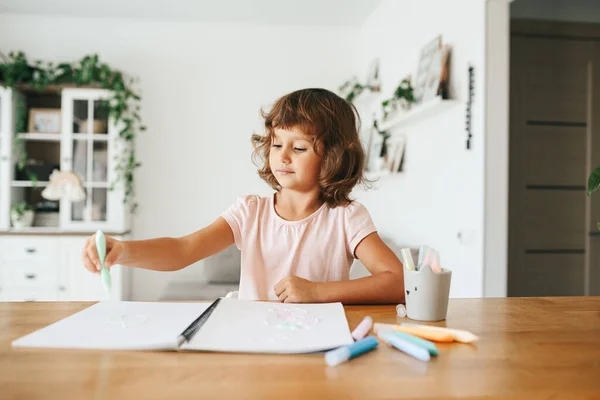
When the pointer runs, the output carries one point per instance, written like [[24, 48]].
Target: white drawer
[[28, 274], [26, 248], [24, 294]]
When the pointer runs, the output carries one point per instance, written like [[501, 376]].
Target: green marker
[[101, 248], [431, 348]]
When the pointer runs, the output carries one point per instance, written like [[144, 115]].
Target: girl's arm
[[168, 254], [385, 285]]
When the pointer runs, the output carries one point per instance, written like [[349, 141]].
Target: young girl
[[298, 244]]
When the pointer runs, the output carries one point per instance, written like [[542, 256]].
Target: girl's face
[[293, 160]]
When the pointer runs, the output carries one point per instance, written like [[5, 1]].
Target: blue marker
[[418, 352], [345, 353]]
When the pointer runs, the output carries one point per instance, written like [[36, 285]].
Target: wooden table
[[528, 349]]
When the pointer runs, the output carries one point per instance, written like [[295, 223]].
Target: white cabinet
[[5, 136], [49, 268], [90, 143], [67, 129], [87, 143], [81, 284]]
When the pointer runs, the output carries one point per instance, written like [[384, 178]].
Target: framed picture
[[374, 157], [44, 120], [432, 71], [373, 82], [394, 159]]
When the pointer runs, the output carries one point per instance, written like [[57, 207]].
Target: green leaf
[[593, 181], [598, 225]]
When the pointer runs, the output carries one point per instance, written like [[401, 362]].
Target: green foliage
[[405, 91], [593, 181], [403, 97], [19, 208], [352, 88], [594, 184], [123, 107]]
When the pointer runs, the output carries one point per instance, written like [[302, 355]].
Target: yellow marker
[[407, 259], [433, 333]]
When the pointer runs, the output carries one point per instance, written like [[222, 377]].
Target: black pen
[[191, 330]]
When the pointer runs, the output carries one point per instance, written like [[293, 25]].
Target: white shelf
[[28, 183], [43, 137], [97, 137], [96, 185], [93, 185], [417, 113]]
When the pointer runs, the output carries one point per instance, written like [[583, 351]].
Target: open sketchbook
[[228, 325]]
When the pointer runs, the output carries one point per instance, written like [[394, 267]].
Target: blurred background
[[476, 117]]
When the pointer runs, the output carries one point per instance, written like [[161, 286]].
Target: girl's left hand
[[294, 289]]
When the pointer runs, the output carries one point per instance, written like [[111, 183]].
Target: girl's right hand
[[115, 253]]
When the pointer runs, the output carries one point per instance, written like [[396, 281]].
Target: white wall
[[441, 193], [557, 10], [202, 86]]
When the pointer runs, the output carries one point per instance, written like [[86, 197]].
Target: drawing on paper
[[290, 318]]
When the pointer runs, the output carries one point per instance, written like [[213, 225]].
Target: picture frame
[[394, 160], [44, 120], [374, 159], [432, 71], [373, 82]]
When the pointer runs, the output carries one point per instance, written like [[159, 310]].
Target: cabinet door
[[5, 159], [89, 146], [81, 285], [29, 268], [28, 294]]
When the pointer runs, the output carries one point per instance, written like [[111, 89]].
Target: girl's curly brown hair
[[334, 123]]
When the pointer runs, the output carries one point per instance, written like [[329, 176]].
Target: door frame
[[497, 83]]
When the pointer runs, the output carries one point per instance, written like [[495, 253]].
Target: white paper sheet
[[117, 325], [262, 327], [234, 326]]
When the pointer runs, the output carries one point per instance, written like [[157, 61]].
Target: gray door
[[554, 82]]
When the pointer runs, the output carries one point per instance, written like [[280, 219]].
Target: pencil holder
[[427, 293]]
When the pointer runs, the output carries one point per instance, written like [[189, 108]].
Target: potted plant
[[403, 98], [21, 215], [352, 88]]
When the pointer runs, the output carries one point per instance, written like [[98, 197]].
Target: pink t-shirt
[[319, 247]]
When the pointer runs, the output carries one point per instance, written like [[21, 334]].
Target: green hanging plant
[[123, 107], [352, 88], [385, 135], [403, 97], [19, 150]]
